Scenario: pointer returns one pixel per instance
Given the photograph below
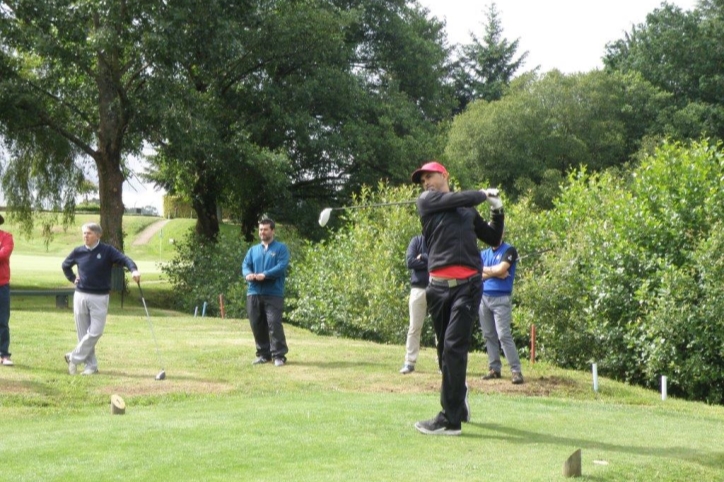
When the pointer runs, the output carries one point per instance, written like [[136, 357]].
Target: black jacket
[[419, 276], [451, 226]]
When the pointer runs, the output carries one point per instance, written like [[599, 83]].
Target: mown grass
[[338, 411]]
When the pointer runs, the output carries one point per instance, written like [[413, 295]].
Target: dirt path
[[148, 233]]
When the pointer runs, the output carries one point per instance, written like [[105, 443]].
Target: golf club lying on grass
[[324, 215], [162, 374]]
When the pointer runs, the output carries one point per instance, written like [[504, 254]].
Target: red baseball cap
[[433, 166]]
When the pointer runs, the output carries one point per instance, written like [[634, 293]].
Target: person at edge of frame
[[264, 268], [451, 226], [6, 249], [416, 258], [94, 261], [496, 309]]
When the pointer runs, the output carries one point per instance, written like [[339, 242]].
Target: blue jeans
[[4, 320]]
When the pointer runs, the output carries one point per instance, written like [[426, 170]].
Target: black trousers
[[265, 318], [454, 312]]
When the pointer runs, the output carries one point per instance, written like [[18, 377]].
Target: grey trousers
[[265, 318], [496, 313], [90, 319]]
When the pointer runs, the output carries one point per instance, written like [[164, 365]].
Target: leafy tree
[[292, 105], [680, 53], [72, 73], [529, 140], [486, 66]]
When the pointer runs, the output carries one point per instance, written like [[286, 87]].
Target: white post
[[663, 387], [595, 377], [196, 311]]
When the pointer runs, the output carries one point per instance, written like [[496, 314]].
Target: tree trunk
[[114, 118], [110, 190], [204, 203], [250, 221]]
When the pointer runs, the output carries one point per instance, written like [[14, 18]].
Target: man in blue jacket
[[496, 309], [264, 268]]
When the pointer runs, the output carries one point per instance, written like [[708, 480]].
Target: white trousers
[[90, 319], [418, 310]]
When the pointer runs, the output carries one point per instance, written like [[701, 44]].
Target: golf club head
[[324, 216], [161, 375]]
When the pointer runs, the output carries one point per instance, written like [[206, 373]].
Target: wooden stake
[[118, 406], [572, 466]]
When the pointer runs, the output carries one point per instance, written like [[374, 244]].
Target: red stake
[[221, 306]]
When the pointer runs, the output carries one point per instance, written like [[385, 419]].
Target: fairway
[[338, 411], [22, 263]]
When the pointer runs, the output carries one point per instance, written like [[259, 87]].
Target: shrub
[[356, 283], [633, 281], [201, 271]]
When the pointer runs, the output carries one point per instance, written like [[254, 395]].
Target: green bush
[[356, 283], [201, 271], [633, 280]]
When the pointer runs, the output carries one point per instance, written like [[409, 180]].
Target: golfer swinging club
[[451, 226]]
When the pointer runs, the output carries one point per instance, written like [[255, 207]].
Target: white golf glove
[[493, 198]]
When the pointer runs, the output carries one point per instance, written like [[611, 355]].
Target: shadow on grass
[[707, 459]]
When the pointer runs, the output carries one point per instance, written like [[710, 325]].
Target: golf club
[[162, 374], [324, 215]]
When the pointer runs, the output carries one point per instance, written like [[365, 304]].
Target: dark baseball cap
[[433, 166]]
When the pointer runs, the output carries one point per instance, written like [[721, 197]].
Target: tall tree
[[73, 73], [288, 106], [680, 52], [485, 67], [544, 127]]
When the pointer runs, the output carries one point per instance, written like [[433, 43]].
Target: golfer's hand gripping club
[[493, 198]]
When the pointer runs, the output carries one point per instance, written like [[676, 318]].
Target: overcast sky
[[568, 35]]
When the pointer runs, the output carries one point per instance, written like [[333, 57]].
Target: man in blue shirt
[[94, 261], [496, 308], [264, 268]]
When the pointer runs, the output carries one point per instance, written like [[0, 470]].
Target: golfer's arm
[[433, 201]]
